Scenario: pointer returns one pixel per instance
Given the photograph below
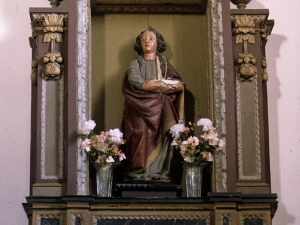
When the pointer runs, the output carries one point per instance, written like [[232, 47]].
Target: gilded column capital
[[244, 26], [52, 25]]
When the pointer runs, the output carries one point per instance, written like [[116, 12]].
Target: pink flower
[[86, 144], [221, 144], [122, 156]]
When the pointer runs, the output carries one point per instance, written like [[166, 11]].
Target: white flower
[[115, 135], [110, 159], [187, 159], [192, 140], [122, 156], [176, 129], [88, 126], [213, 142], [206, 123], [210, 157], [174, 143], [183, 146], [86, 144]]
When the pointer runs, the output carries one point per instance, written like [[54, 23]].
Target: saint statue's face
[[148, 42]]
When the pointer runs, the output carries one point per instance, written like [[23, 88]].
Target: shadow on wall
[[273, 48]]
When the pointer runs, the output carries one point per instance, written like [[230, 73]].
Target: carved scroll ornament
[[33, 75], [265, 75]]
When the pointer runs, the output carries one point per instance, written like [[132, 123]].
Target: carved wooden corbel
[[245, 33], [53, 29], [247, 70], [53, 33]]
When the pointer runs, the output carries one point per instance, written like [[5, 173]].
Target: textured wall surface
[[283, 91]]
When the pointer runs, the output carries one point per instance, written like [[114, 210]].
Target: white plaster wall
[[15, 90], [283, 91]]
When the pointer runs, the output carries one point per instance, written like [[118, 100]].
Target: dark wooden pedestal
[[216, 208]]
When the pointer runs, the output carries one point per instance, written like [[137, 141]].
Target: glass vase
[[193, 179], [104, 178]]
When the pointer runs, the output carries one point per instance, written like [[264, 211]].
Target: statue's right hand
[[154, 86]]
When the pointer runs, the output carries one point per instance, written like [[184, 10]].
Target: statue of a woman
[[153, 103]]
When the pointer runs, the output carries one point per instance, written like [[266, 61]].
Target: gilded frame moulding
[[149, 6], [152, 217], [84, 95], [219, 91]]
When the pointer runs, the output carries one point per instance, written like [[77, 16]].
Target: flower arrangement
[[104, 147], [193, 149]]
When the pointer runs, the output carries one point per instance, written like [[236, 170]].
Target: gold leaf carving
[[53, 27], [52, 69], [247, 70], [245, 27], [33, 75], [265, 75]]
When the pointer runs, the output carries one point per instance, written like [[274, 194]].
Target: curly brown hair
[[161, 45]]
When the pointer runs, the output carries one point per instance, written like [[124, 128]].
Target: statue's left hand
[[175, 87]]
